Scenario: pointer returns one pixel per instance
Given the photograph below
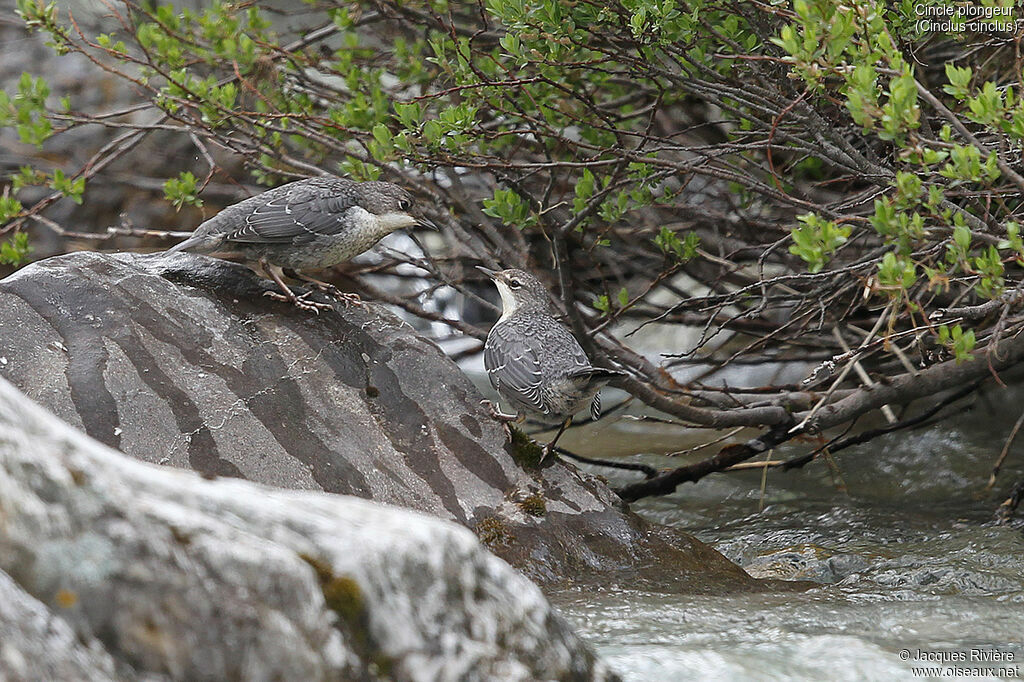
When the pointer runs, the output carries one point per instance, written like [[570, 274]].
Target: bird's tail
[[599, 376], [200, 244]]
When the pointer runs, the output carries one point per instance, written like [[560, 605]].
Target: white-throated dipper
[[534, 361], [308, 224]]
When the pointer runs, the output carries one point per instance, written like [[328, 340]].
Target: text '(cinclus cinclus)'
[[309, 224], [534, 361]]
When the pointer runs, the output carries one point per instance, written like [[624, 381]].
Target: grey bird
[[534, 361], [308, 224]]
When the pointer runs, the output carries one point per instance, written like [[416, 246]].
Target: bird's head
[[392, 207], [519, 290]]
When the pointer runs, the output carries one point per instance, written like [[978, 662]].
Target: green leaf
[[510, 208], [9, 208], [583, 191], [962, 237], [682, 250], [896, 273], [182, 190], [15, 250], [959, 342], [409, 114], [816, 240], [71, 188], [959, 80]]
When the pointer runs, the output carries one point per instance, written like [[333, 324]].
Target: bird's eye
[[405, 204], [514, 284]]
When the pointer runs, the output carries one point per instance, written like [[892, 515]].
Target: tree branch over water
[[774, 185]]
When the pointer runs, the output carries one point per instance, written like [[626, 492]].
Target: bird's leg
[[506, 420], [298, 301], [547, 449], [346, 298]]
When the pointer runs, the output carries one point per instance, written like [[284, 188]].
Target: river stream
[[914, 581]]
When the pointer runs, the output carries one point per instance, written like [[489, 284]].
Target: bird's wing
[[513, 368], [296, 213], [574, 361]]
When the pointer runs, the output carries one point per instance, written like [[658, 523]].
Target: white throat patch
[[382, 224], [508, 301]]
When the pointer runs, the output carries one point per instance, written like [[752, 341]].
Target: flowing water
[[913, 580]]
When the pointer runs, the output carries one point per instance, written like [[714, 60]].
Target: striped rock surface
[[180, 360]]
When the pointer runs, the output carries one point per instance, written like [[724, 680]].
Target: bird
[[534, 361], [307, 224]]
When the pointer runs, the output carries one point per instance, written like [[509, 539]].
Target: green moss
[[534, 505], [344, 596], [525, 450], [493, 532], [324, 572], [380, 667]]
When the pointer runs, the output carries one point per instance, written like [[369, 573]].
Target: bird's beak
[[490, 273], [427, 223]]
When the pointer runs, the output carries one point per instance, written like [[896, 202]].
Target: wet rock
[[181, 360], [805, 562], [111, 568]]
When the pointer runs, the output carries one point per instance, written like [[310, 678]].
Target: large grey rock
[[34, 645], [112, 568], [181, 360]]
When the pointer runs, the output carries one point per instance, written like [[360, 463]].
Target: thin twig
[[1005, 451], [648, 471]]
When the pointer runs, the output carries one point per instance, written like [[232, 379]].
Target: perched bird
[[534, 361], [309, 224]]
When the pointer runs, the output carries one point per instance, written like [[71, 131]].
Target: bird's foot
[[346, 299], [545, 451], [301, 302], [495, 412]]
